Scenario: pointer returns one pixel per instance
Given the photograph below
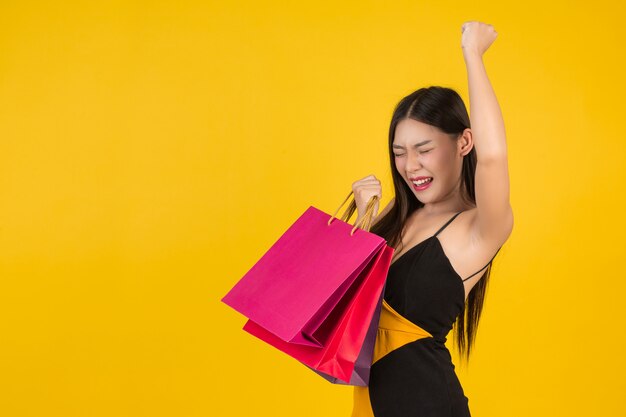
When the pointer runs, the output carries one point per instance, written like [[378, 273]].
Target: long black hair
[[443, 108]]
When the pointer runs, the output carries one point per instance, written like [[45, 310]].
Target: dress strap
[[447, 223], [484, 266]]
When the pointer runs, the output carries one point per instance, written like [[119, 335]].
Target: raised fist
[[477, 37]]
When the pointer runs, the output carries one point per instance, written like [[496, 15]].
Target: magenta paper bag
[[350, 322], [297, 283]]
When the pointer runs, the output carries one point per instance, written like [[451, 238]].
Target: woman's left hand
[[477, 37]]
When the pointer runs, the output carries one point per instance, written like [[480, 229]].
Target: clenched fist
[[364, 189], [477, 37]]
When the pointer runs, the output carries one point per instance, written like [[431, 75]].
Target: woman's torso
[[461, 249]]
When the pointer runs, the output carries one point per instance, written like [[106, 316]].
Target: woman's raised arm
[[494, 219]]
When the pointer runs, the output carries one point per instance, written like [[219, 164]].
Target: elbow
[[510, 222]]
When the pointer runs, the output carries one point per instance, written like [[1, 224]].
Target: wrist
[[471, 55]]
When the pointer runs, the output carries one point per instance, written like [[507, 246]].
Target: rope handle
[[366, 220]]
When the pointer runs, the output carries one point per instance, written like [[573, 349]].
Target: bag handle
[[366, 220]]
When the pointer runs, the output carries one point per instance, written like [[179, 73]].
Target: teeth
[[420, 182]]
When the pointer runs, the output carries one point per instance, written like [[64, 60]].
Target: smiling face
[[422, 150]]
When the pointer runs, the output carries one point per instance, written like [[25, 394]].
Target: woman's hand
[[477, 37], [364, 189]]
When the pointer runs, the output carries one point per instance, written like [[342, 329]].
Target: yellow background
[[152, 151]]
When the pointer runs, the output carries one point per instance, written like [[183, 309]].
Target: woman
[[449, 217]]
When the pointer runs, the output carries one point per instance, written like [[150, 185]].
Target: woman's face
[[423, 151]]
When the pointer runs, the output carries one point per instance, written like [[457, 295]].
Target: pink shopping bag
[[348, 326], [315, 292]]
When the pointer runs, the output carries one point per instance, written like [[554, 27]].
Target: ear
[[465, 143]]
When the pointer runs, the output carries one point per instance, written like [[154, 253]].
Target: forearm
[[485, 114]]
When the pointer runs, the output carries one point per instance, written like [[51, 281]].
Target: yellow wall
[[150, 152]]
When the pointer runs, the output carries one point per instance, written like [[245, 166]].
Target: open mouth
[[422, 183]]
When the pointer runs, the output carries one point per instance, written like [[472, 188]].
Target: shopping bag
[[315, 291], [351, 321], [319, 253]]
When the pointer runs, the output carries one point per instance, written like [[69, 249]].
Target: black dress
[[412, 372]]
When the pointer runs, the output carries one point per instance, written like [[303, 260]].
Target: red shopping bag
[[362, 365], [314, 293]]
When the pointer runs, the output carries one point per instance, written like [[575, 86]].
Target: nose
[[413, 165]]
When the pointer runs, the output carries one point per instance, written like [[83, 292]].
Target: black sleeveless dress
[[412, 373]]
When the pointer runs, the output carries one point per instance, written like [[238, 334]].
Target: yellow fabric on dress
[[394, 331]]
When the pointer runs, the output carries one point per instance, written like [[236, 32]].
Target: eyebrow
[[417, 145]]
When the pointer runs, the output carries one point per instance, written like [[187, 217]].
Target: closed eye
[[397, 155]]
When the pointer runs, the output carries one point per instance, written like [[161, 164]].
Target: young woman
[[449, 217]]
